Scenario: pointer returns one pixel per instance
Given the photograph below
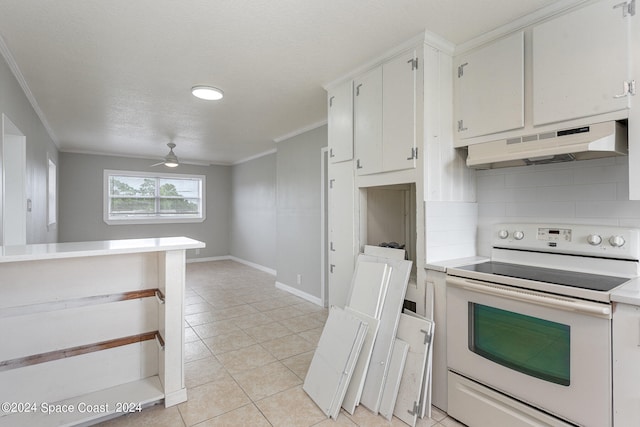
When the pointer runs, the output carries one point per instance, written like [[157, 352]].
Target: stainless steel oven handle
[[567, 304]]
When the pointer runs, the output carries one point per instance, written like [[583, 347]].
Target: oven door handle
[[524, 295]]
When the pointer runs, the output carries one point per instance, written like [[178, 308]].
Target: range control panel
[[580, 239]]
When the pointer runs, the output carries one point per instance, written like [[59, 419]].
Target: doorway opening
[[14, 200]]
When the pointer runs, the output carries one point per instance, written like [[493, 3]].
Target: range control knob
[[594, 239], [503, 234], [518, 235], [617, 241]]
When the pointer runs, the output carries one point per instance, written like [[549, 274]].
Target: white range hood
[[581, 143]]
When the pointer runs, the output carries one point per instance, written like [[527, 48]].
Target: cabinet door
[[342, 243], [490, 88], [580, 63], [368, 122], [399, 112], [340, 122]]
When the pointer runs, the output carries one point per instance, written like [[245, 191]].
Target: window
[[52, 193], [149, 198]]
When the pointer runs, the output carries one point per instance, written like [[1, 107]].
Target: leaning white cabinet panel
[[489, 88], [340, 122], [399, 149], [581, 63], [341, 231], [368, 122]]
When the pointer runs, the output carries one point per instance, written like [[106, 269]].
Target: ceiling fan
[[170, 160]]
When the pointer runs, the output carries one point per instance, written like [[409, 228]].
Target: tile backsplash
[[585, 192]]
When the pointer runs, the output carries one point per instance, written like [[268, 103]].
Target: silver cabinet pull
[[628, 88], [159, 296]]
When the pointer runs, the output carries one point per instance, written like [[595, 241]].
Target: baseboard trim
[[253, 264], [207, 259], [299, 293]]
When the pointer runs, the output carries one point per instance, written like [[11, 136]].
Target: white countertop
[[451, 263], [629, 293], [97, 248]]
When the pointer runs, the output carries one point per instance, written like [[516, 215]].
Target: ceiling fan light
[[208, 93]]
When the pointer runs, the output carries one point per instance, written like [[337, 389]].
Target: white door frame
[[14, 179], [324, 232]]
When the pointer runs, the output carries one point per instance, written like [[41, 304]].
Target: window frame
[[150, 219], [52, 192]]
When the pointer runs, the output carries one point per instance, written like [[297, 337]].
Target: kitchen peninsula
[[91, 329]]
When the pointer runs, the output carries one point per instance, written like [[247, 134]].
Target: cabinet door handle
[[331, 248], [628, 87], [331, 267], [358, 165], [461, 127], [331, 101], [414, 154], [331, 152], [358, 89]]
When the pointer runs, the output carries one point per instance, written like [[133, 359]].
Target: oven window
[[530, 345]]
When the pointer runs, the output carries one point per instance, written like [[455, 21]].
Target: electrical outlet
[[299, 279]]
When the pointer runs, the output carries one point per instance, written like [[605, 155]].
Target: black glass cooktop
[[594, 282]]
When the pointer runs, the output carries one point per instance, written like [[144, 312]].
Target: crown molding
[[13, 66], [256, 156], [520, 24], [300, 131]]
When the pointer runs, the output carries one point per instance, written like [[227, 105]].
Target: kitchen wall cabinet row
[[556, 70], [376, 114], [391, 136], [578, 66]]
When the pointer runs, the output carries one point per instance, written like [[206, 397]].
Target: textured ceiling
[[114, 76]]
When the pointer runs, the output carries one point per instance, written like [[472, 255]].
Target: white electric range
[[529, 337]]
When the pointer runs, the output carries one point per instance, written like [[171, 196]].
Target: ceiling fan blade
[[157, 164]]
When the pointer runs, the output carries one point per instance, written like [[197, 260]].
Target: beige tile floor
[[248, 348]]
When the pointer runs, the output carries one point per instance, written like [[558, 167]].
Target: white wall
[[15, 105], [253, 211], [81, 203], [585, 192]]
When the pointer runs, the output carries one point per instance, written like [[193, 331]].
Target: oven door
[[551, 352]]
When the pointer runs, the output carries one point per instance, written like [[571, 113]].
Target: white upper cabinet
[[399, 150], [489, 87], [340, 122], [580, 63], [368, 122], [385, 116]]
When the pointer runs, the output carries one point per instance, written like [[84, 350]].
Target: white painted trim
[[323, 231], [299, 131], [13, 66], [207, 259], [424, 37], [299, 293], [135, 156], [254, 265], [257, 156], [179, 396], [519, 24]]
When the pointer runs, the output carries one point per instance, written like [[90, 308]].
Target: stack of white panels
[[334, 360], [389, 318], [368, 291], [413, 393]]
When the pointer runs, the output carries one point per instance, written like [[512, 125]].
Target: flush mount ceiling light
[[208, 93]]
